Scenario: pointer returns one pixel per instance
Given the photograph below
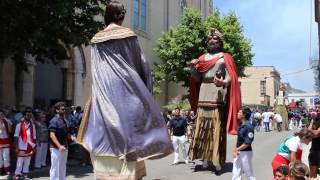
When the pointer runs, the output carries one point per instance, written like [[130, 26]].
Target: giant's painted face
[[214, 43]]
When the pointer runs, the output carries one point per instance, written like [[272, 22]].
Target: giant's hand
[[194, 61], [218, 81]]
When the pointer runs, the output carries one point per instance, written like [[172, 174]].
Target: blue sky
[[280, 34]]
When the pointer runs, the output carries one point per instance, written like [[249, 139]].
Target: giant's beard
[[213, 48]]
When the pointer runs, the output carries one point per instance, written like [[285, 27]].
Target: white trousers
[[41, 155], [58, 164], [22, 165], [4, 157], [179, 143], [243, 164]]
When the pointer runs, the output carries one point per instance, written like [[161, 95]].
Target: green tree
[[46, 29], [187, 41]]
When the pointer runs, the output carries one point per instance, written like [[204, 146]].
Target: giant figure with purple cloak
[[122, 125]]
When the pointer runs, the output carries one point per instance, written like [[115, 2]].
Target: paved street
[[264, 148]]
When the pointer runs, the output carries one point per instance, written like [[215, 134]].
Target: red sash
[[23, 134]]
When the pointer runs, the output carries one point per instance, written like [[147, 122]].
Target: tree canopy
[[187, 41], [46, 29]]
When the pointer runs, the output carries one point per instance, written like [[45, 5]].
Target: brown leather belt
[[210, 104]]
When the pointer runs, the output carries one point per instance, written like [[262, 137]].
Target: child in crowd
[[24, 140], [281, 173]]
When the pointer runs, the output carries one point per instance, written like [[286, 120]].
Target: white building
[[308, 98]]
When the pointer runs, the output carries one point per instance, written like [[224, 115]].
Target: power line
[[285, 74], [297, 72]]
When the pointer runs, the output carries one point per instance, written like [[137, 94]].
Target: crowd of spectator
[[287, 164], [25, 139]]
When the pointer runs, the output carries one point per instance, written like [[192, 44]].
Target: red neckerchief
[[23, 131], [233, 93]]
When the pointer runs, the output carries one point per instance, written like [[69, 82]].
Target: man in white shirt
[[277, 117], [266, 120]]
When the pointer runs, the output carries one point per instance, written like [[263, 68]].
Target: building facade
[[45, 83], [150, 19], [260, 86], [309, 99]]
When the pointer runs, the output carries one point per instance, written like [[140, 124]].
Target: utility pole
[[317, 19]]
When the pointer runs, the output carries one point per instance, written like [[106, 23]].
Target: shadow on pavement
[[73, 169], [226, 167]]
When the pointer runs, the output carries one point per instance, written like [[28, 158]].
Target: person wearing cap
[[215, 96], [242, 163]]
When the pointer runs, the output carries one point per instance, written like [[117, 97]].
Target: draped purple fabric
[[124, 119]]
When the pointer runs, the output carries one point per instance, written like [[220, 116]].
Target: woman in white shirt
[[291, 149]]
